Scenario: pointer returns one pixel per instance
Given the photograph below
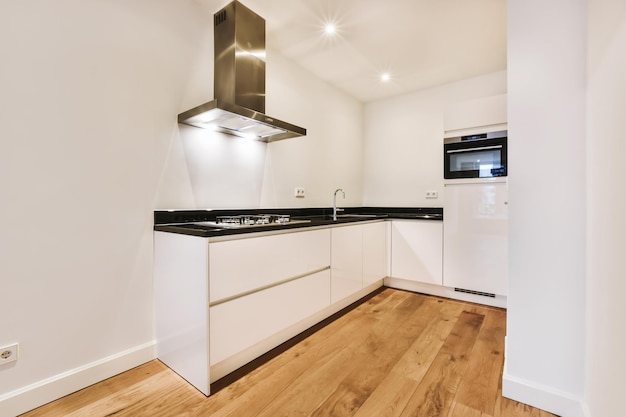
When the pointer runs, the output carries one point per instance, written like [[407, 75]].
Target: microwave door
[[478, 162]]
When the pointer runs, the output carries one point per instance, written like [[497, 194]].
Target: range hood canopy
[[239, 84]]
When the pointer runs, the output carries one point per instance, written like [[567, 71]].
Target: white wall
[[330, 156], [207, 169], [403, 141], [547, 199], [90, 90], [606, 204], [90, 147]]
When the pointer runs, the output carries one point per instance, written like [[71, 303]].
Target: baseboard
[[42, 392], [546, 398], [446, 292]]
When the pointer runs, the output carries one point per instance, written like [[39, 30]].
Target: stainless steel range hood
[[239, 84]]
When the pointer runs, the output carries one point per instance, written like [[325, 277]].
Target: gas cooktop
[[254, 220]]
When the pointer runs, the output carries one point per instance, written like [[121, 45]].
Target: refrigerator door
[[475, 242]]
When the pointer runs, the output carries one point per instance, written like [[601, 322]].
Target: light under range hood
[[239, 84]]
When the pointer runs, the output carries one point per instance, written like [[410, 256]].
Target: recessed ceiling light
[[385, 77], [330, 29]]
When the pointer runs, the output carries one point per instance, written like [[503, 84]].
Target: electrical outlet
[[432, 194], [8, 354], [299, 192]]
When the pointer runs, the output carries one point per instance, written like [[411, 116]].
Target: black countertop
[[189, 222]]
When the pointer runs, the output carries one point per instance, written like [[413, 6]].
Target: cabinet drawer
[[239, 266], [240, 323]]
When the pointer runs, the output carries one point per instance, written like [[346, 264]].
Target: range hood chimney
[[239, 84]]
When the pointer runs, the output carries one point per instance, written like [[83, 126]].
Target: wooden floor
[[398, 354]]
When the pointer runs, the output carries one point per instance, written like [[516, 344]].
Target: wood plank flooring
[[399, 354]]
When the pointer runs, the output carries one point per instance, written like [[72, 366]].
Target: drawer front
[[240, 266], [240, 323]]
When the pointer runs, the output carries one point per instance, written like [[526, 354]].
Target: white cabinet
[[358, 258], [476, 237], [485, 114], [181, 305], [216, 299], [346, 261], [417, 250], [262, 285], [374, 252]]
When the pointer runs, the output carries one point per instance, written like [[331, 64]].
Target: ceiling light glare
[[385, 77], [330, 29]]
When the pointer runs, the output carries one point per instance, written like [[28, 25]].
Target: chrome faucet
[[335, 209]]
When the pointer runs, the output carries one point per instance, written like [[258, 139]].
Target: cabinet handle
[[266, 287], [481, 148]]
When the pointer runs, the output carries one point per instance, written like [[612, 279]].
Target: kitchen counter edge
[[184, 221]]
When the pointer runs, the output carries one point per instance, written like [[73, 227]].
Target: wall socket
[[432, 194], [299, 192], [8, 354]]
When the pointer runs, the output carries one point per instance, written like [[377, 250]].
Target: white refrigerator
[[475, 237]]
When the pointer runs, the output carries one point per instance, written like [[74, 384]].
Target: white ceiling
[[420, 43]]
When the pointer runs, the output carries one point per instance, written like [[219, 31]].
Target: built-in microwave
[[475, 156]]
